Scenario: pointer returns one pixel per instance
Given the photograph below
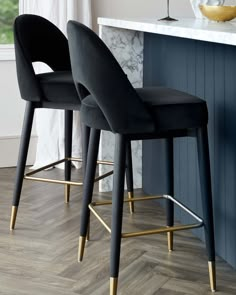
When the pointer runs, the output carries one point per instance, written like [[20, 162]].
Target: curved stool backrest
[[94, 66], [37, 40]]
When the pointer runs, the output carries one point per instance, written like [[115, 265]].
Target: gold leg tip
[[131, 204], [212, 275], [113, 286], [67, 193], [82, 241], [170, 240], [88, 233], [13, 217], [80, 257], [131, 211]]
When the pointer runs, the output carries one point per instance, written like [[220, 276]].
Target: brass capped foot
[[13, 217], [82, 241], [170, 237], [131, 204], [88, 232], [113, 286], [67, 193], [212, 275]]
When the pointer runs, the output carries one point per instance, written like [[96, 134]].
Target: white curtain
[[50, 123]]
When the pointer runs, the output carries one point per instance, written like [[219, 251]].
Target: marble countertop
[[197, 29]]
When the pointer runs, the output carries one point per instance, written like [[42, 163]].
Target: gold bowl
[[218, 13]]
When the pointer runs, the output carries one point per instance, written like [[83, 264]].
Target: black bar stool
[[141, 114], [39, 40]]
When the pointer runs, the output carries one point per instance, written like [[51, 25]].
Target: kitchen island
[[198, 57]]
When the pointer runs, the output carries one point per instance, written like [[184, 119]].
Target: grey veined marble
[[196, 29], [127, 47]]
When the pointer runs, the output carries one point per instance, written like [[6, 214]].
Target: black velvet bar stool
[[135, 114], [39, 40]]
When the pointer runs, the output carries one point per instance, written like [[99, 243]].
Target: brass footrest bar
[[185, 208], [101, 162], [76, 183], [48, 166], [103, 222], [67, 193], [101, 203], [131, 204], [152, 231], [53, 180], [103, 176], [161, 230]]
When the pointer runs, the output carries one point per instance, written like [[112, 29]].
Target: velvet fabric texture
[[58, 87], [97, 70], [38, 40], [114, 104], [170, 109]]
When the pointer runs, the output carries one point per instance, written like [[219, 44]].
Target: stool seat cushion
[[58, 87], [170, 109]]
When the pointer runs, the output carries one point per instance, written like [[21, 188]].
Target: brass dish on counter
[[218, 13]]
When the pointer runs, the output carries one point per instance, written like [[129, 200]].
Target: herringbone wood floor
[[40, 256]]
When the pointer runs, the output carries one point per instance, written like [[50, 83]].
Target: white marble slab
[[197, 29], [127, 47]]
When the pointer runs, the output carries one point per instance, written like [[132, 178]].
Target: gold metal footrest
[[152, 231], [30, 176]]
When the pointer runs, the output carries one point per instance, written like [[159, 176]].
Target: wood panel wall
[[207, 70]]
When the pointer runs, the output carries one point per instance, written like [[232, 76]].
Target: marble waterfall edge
[[127, 47]]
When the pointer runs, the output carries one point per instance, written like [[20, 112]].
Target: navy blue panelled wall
[[207, 70]]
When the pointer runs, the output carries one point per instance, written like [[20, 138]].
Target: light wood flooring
[[40, 256]]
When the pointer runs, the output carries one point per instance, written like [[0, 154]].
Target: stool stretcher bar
[[49, 180], [152, 231]]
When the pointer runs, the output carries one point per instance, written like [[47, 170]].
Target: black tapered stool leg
[[22, 156], [129, 175], [88, 188], [68, 151], [85, 144], [170, 186], [117, 210], [206, 192]]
